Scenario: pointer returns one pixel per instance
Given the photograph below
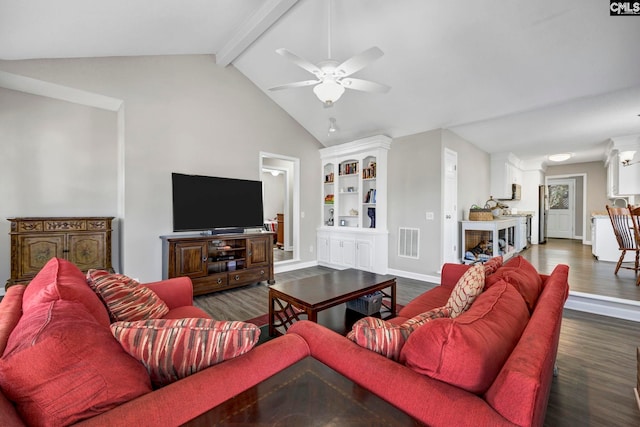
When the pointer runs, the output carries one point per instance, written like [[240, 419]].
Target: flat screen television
[[207, 203]]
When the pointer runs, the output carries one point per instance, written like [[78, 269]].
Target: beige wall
[[596, 183], [415, 187], [181, 114]]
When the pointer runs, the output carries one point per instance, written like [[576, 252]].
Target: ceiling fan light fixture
[[626, 157], [560, 157], [328, 91]]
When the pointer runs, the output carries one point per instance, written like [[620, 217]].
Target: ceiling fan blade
[[295, 84], [358, 62], [364, 85], [300, 62]]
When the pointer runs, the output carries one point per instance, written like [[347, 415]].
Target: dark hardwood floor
[[586, 273], [596, 355]]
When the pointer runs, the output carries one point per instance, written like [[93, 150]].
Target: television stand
[[218, 262]]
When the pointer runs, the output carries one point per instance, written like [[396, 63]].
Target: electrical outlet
[[311, 248], [430, 216], [301, 214]]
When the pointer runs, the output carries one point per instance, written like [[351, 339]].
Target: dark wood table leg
[[272, 328]]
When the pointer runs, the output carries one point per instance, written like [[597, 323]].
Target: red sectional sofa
[[55, 338], [491, 366], [74, 371]]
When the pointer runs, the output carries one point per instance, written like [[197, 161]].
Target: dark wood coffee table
[[308, 296], [307, 393]]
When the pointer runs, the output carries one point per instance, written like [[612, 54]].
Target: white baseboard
[[415, 276], [285, 266]]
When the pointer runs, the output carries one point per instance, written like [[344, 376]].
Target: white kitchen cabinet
[[603, 241], [504, 173], [521, 233], [622, 180]]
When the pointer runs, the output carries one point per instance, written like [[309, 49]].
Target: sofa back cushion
[[61, 366], [10, 312], [519, 273], [468, 287], [469, 351], [60, 279]]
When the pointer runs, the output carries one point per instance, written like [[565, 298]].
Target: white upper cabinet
[[623, 180], [505, 171]]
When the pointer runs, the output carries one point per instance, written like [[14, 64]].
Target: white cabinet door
[[363, 255], [343, 252], [323, 249]]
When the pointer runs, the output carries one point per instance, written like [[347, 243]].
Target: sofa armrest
[[433, 402], [183, 400], [176, 292], [451, 273]]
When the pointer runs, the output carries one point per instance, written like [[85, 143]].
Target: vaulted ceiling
[[528, 77]]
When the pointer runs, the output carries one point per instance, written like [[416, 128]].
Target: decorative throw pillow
[[380, 336], [172, 349], [469, 286], [125, 298], [387, 338], [422, 318], [492, 265]]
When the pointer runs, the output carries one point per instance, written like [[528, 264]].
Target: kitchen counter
[[604, 245]]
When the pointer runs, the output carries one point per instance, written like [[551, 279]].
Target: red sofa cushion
[[10, 312], [61, 366], [523, 276], [60, 279], [125, 298], [469, 351], [176, 348]]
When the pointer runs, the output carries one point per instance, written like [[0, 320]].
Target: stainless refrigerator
[[543, 212]]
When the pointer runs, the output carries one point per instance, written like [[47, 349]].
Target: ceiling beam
[[252, 29]]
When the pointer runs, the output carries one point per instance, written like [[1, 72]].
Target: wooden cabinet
[[85, 241], [280, 233], [354, 205], [218, 262]]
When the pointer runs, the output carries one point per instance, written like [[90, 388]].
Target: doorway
[[280, 178], [562, 200], [450, 208]]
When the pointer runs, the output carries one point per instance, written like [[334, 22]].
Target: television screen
[[209, 203]]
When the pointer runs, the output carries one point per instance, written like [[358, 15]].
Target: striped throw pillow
[[386, 338], [125, 298], [468, 287], [422, 318], [172, 349]]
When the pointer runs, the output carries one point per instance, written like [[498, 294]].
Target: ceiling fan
[[332, 77]]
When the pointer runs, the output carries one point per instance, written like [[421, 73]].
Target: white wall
[[56, 159], [274, 192], [181, 114]]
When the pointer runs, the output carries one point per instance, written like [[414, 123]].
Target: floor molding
[[603, 305]]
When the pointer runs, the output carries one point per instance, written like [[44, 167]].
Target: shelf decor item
[[371, 212]]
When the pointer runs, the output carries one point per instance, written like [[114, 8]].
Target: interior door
[[561, 217], [450, 208]]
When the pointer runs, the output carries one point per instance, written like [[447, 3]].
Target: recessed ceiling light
[[560, 157]]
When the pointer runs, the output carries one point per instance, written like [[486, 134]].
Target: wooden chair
[[625, 222]]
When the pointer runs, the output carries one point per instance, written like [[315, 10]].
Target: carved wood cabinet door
[[37, 250], [87, 250], [191, 259], [259, 251]]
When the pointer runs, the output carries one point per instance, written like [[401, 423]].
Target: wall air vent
[[408, 242]]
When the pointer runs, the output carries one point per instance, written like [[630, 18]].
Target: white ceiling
[[527, 77]]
